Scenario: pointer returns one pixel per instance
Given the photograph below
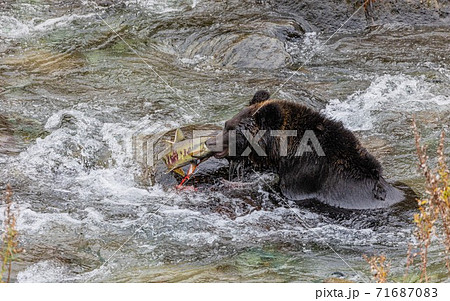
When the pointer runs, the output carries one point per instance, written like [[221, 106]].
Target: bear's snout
[[211, 143], [218, 146]]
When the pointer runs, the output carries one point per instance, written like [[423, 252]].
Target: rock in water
[[257, 51]]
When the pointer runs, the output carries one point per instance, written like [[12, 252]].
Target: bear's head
[[253, 122]]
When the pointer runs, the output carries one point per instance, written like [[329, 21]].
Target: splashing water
[[364, 110]]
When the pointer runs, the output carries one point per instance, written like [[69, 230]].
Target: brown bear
[[316, 158]]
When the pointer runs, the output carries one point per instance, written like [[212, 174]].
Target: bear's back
[[346, 175]]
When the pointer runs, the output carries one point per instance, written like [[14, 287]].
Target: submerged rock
[[249, 35], [328, 16], [257, 51], [259, 43]]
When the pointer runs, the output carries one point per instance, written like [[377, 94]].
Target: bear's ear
[[259, 96], [269, 116]]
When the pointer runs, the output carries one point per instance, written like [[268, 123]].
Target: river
[[79, 79]]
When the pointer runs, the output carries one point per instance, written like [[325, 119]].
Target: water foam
[[162, 7], [60, 22], [364, 110], [13, 28], [47, 271]]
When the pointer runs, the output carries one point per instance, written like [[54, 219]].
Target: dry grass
[[379, 267], [433, 219], [9, 244]]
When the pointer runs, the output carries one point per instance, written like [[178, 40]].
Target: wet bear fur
[[347, 176]]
